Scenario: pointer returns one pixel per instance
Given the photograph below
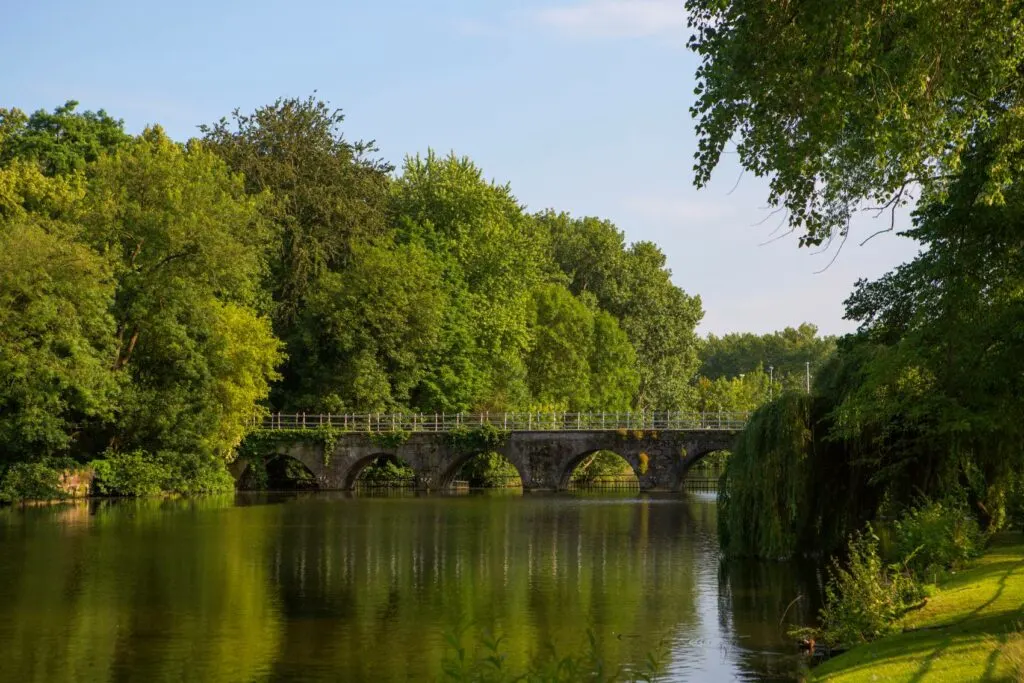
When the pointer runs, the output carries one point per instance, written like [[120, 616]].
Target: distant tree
[[785, 351]]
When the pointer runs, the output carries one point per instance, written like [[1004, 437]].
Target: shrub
[[129, 474], [31, 481], [935, 538], [865, 598], [139, 473], [193, 474]]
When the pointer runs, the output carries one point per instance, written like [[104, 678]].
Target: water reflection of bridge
[[544, 448]]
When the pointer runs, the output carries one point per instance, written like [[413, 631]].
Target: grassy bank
[[961, 634]]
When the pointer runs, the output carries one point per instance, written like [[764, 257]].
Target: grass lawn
[[958, 636]]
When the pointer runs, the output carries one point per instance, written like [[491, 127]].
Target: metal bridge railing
[[549, 421]]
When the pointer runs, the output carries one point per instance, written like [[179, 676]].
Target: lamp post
[[808, 366], [771, 382]]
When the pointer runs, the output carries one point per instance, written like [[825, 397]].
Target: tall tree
[[57, 339], [492, 255], [580, 358], [188, 246], [842, 104], [633, 284], [325, 193], [369, 331]]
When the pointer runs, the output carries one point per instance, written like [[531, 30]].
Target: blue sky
[[581, 105]]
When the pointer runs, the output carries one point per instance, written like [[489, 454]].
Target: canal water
[[330, 587]]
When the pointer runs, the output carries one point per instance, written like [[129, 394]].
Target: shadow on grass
[[968, 626]]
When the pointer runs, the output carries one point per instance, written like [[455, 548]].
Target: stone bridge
[[545, 459]]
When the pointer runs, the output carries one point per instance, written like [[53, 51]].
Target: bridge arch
[[448, 476], [565, 479], [693, 460], [356, 468], [275, 471]]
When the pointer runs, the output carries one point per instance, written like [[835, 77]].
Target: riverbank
[[961, 634]]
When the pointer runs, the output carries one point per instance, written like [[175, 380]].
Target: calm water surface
[[324, 587]]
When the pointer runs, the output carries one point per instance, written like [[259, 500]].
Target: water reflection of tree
[[538, 572], [116, 592], [362, 590], [759, 602]]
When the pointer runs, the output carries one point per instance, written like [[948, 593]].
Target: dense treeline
[[922, 405], [740, 371], [156, 296]]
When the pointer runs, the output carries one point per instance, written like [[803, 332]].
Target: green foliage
[[741, 394], [388, 471], [138, 473], [60, 143], [865, 598], [489, 470], [580, 358], [763, 493], [188, 245], [842, 104], [935, 538], [31, 481], [263, 443], [57, 339], [785, 351], [131, 474], [484, 439], [605, 466], [368, 332], [633, 285], [155, 297], [392, 439], [486, 662], [325, 193]]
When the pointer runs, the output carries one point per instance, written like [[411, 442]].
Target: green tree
[[942, 341], [188, 246], [558, 364], [845, 103], [56, 343], [60, 143], [744, 393], [580, 358], [785, 351], [614, 379], [492, 256], [369, 331], [634, 286], [326, 193]]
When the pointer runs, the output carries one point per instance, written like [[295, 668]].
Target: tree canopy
[[159, 296], [846, 105]]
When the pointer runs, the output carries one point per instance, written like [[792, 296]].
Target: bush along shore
[[925, 597]]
